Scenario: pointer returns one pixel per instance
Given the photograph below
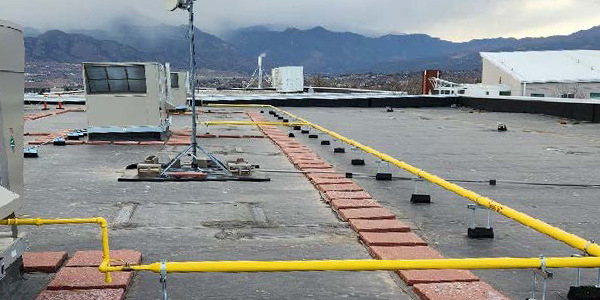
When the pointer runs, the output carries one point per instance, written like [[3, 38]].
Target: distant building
[[559, 74], [444, 87]]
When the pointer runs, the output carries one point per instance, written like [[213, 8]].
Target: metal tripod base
[[220, 171]]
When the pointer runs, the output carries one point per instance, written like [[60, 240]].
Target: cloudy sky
[[456, 20]]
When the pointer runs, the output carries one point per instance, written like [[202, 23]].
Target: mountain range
[[319, 50]]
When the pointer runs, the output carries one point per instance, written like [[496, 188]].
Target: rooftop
[[287, 218]]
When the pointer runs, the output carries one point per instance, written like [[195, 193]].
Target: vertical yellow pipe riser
[[100, 221]]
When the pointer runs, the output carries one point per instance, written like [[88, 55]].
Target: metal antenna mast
[[194, 147], [194, 139]]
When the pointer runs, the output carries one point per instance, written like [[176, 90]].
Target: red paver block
[[391, 239], [103, 294], [319, 181], [178, 143], [324, 175], [287, 151], [349, 203], [313, 166], [126, 143], [349, 187], [347, 195], [366, 213], [309, 155], [290, 145], [458, 291], [283, 142], [404, 252], [229, 136], [297, 150], [287, 144], [37, 133], [305, 160], [83, 278], [206, 136], [313, 170], [152, 143], [94, 258], [359, 225], [47, 262], [98, 142], [412, 277], [296, 161]]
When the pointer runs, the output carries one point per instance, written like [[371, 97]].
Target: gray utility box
[[12, 64], [126, 100], [178, 93]]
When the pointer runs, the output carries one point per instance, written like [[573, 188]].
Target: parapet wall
[[577, 109], [351, 101]]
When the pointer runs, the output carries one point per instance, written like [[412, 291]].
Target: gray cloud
[[456, 20]]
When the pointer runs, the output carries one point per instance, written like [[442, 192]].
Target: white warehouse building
[[557, 74]]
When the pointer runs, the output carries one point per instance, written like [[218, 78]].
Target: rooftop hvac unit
[[12, 62], [126, 100], [288, 79], [179, 89]]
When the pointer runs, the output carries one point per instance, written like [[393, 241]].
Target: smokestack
[[260, 71]]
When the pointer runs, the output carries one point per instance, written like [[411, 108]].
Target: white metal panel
[[12, 50], [288, 79], [12, 57], [126, 109], [179, 94], [549, 66]]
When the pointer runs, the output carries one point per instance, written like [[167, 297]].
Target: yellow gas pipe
[[243, 123], [104, 265], [364, 265], [572, 240]]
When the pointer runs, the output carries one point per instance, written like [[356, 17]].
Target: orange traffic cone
[[59, 103], [45, 104]]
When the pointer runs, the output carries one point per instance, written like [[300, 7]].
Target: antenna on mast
[[188, 5]]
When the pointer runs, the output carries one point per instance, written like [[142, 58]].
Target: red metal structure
[[426, 85]]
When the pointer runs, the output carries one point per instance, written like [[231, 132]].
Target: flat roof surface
[[463, 144], [285, 219], [549, 66]]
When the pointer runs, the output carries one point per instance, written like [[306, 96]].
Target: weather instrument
[[200, 169], [172, 5], [188, 5]]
